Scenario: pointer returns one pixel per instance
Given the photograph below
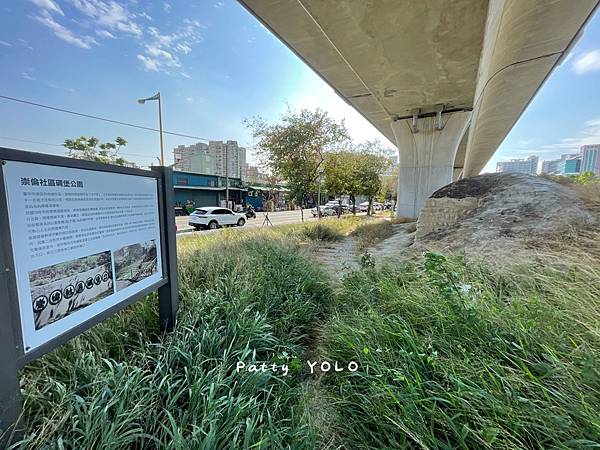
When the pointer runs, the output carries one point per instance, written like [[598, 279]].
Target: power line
[[28, 141], [60, 145], [89, 116]]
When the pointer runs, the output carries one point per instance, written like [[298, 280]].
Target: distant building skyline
[[519, 165], [215, 158], [587, 160], [590, 156]]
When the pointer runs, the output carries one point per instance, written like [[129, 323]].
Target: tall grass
[[450, 354], [372, 232], [121, 386], [456, 356]]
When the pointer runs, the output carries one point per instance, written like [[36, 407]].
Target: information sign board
[[80, 240]]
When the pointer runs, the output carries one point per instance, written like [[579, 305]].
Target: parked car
[[326, 210], [363, 207], [215, 217]]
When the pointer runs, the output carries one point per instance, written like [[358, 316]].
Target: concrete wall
[[439, 213]]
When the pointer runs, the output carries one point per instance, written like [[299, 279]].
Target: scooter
[[250, 213]]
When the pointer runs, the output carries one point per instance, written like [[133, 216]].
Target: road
[[276, 218]]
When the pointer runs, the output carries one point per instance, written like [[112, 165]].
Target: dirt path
[[343, 257], [392, 247], [339, 257]]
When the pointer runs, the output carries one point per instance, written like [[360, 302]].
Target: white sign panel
[[83, 241]]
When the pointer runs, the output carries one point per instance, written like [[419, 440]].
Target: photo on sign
[[135, 262], [61, 289]]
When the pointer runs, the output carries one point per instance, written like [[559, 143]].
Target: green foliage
[[459, 356], [91, 149], [389, 186], [373, 162], [586, 177], [340, 170], [294, 148], [356, 171], [122, 386]]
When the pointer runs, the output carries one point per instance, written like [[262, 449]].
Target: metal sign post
[[73, 253]]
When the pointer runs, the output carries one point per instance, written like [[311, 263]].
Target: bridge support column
[[426, 147]]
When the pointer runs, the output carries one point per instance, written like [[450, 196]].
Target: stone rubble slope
[[498, 215]]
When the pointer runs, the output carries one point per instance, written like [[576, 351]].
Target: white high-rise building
[[194, 158], [527, 165], [230, 158], [211, 158]]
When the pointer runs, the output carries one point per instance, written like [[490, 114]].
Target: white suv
[[214, 217]]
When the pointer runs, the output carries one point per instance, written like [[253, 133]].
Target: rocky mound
[[500, 213]]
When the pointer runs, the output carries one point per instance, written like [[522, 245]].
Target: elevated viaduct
[[445, 80]]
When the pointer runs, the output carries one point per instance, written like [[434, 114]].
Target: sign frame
[[12, 354]]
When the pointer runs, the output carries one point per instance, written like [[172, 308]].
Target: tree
[[389, 190], [294, 148], [91, 149], [340, 170], [373, 161]]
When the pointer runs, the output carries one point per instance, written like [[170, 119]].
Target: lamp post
[[141, 101], [319, 181], [226, 176]]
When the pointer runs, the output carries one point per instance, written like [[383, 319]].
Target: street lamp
[[141, 101], [319, 181]]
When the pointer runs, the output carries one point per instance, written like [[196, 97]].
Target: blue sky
[[214, 65]]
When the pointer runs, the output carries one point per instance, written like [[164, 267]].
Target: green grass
[[370, 233], [451, 355], [121, 386], [455, 356]]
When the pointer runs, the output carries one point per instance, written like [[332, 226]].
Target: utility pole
[[319, 180], [226, 175]]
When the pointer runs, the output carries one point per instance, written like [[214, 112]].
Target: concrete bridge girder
[[388, 57], [427, 149]]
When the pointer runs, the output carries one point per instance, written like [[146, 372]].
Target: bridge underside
[[420, 70]]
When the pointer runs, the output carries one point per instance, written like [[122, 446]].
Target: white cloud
[[167, 7], [218, 5], [105, 34], [193, 23], [146, 16], [25, 44], [64, 33], [48, 5], [27, 76], [163, 57], [6, 44], [149, 63], [589, 134], [109, 14], [163, 50], [587, 62], [189, 99]]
